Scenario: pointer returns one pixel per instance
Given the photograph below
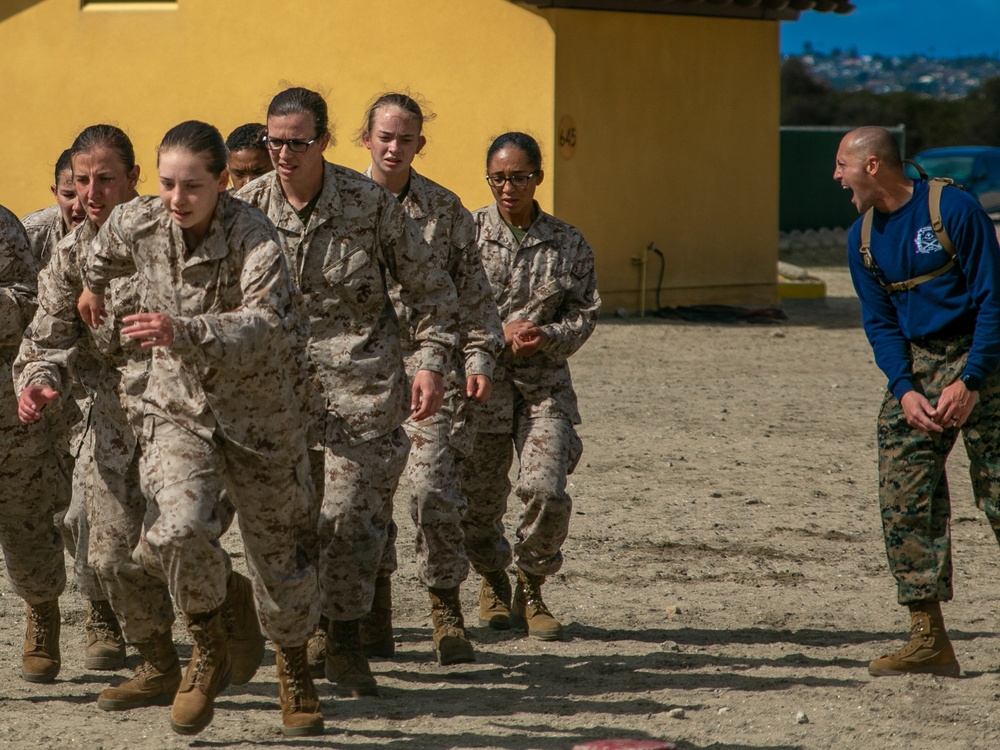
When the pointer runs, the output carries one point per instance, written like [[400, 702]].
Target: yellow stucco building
[[658, 119]]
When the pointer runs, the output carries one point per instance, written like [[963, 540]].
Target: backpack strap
[[866, 238], [935, 187], [920, 170]]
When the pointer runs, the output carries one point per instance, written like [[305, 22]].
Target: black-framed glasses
[[517, 180], [276, 144]]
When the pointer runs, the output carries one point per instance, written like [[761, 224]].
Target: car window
[[992, 169], [958, 168]]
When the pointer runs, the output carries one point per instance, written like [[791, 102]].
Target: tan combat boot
[[346, 664], [494, 600], [208, 674], [105, 643], [41, 661], [246, 641], [316, 649], [154, 682], [450, 642], [929, 650], [376, 626], [528, 610], [300, 714]]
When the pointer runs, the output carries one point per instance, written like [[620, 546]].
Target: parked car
[[975, 168]]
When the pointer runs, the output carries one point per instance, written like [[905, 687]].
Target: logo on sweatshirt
[[927, 242]]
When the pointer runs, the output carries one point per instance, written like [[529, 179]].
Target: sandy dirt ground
[[725, 559]]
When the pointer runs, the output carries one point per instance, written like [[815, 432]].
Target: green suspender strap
[[934, 188]]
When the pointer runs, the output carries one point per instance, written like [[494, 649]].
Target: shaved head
[[874, 141], [869, 165]]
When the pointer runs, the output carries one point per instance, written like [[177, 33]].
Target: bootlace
[[538, 606], [296, 669], [533, 598], [102, 629], [449, 619], [227, 619], [203, 664], [39, 625], [920, 631], [494, 589]]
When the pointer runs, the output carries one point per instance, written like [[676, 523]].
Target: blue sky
[[936, 28]]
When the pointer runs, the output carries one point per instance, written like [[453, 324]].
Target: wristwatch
[[972, 382]]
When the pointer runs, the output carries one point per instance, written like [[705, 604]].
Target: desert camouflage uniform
[[107, 373], [914, 497], [33, 476], [45, 228], [357, 238], [437, 444], [220, 411], [549, 279]]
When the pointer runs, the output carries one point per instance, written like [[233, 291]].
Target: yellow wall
[[677, 122], [147, 66], [676, 116]]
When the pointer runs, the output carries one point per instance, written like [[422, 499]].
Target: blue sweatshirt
[[964, 300]]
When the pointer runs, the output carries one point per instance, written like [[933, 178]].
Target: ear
[[872, 164], [421, 142], [324, 142], [133, 176], [366, 140], [224, 181], [539, 177], [53, 188]]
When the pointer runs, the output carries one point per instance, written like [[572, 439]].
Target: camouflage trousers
[[913, 483], [117, 510], [35, 489], [355, 517], [72, 525], [437, 503], [548, 450], [186, 478], [75, 532]]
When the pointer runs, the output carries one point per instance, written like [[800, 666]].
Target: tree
[[971, 121], [805, 99]]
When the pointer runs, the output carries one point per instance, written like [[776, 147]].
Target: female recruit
[[392, 132], [47, 226], [542, 274], [346, 239], [220, 414], [109, 375], [248, 158], [32, 472], [56, 357]]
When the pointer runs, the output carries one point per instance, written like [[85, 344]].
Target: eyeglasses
[[517, 180], [276, 144]]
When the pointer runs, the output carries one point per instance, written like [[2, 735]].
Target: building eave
[[762, 10]]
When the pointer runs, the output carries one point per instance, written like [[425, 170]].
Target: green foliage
[[970, 121]]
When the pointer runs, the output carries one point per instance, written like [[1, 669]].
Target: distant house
[[658, 118]]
